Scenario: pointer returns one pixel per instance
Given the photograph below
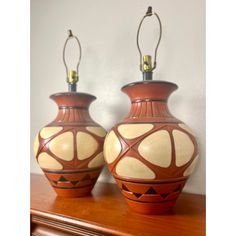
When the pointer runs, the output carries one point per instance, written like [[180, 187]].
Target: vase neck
[[152, 90], [150, 111], [73, 109], [149, 101]]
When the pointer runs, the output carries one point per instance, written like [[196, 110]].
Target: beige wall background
[[107, 31]]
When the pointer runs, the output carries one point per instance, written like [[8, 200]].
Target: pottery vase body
[[69, 150], [150, 153]]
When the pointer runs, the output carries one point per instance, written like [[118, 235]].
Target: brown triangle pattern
[[62, 179], [146, 192], [164, 195], [130, 188], [125, 188], [165, 188], [137, 195], [151, 191], [74, 182]]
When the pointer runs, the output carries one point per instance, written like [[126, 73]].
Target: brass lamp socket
[[147, 67], [147, 63], [72, 77]]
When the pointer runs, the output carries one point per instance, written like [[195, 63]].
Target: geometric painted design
[[191, 168], [86, 145], [72, 180], [153, 192], [69, 149], [156, 148], [153, 149], [186, 128], [47, 162], [99, 131], [67, 183], [132, 168], [36, 144], [184, 147], [97, 161], [112, 147], [62, 179], [47, 132], [72, 146], [130, 131], [62, 146], [166, 150]]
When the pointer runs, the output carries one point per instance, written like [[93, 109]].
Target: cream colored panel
[[97, 130], [96, 161], [133, 168], [36, 144], [156, 148], [184, 147], [191, 168], [112, 147], [86, 145], [62, 146], [47, 132], [186, 128], [47, 162], [131, 131]]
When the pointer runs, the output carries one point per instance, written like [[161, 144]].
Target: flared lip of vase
[[175, 86], [75, 94], [73, 99], [149, 90]]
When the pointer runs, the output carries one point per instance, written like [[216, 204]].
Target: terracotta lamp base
[[150, 153], [73, 193], [73, 183], [151, 198], [151, 208], [69, 150]]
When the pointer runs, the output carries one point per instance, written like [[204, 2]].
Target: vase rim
[[150, 82], [72, 94]]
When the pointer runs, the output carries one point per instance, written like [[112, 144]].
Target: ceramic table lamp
[[150, 153], [69, 150]]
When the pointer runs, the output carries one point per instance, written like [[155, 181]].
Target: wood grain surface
[[105, 212]]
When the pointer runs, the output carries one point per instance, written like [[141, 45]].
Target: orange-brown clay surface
[[70, 149], [150, 153]]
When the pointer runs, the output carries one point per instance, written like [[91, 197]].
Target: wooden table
[[106, 212]]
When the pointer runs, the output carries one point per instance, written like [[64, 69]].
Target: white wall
[[107, 31]]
